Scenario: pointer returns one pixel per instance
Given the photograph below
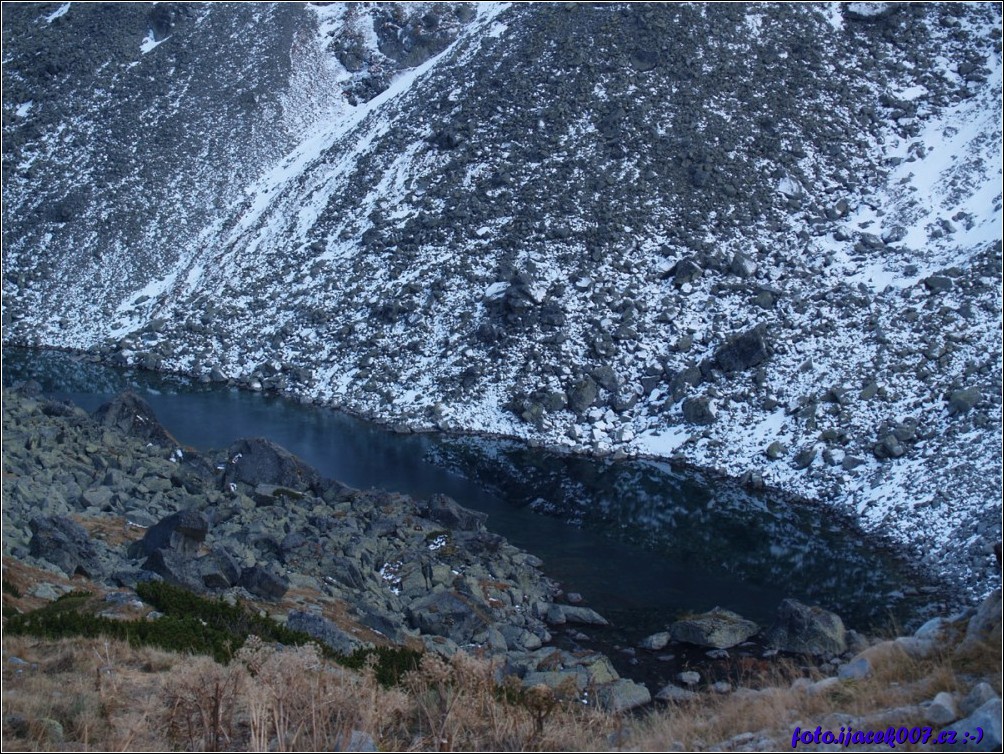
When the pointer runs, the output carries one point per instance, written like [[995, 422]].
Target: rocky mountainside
[[760, 239]]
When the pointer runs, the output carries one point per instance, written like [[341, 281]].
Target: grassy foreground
[[107, 694]]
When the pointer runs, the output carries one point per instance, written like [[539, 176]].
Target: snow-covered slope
[[762, 239]]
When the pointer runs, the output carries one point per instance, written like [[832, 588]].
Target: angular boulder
[[64, 543], [742, 352], [802, 629], [133, 416], [699, 411], [183, 531], [263, 583], [716, 628], [457, 617], [256, 461], [988, 718], [323, 630], [176, 568], [623, 694], [984, 626], [219, 570], [448, 512]]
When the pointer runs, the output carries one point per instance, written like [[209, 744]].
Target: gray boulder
[[988, 718], [698, 411], [984, 626], [622, 694], [176, 568], [962, 401], [585, 615], [742, 352], [942, 709], [978, 695], [219, 570], [133, 416], [183, 531], [323, 630], [655, 642], [776, 450], [263, 583], [64, 543], [716, 628], [575, 614], [448, 512], [673, 693], [453, 615], [938, 283], [258, 461], [806, 630], [582, 395]]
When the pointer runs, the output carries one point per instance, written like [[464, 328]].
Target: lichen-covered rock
[[717, 628]]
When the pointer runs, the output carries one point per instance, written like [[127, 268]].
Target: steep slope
[[761, 239]]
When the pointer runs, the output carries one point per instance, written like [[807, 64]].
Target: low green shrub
[[195, 624]]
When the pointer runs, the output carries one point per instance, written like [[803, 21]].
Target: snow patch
[[149, 43], [62, 10]]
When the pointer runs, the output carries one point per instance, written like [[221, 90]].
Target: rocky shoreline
[[111, 498]]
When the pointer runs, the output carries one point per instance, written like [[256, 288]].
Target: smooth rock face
[[717, 628], [807, 630]]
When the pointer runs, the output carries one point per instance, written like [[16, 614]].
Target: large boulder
[[323, 630], [808, 630], [984, 626], [742, 352], [457, 617], [623, 694], [448, 512], [257, 461], [699, 410], [133, 416], [263, 583], [64, 543], [716, 628], [987, 718], [183, 531], [176, 568], [961, 401], [219, 569]]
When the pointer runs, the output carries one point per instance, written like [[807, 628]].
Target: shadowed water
[[640, 540]]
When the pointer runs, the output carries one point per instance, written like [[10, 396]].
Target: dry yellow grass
[[92, 694]]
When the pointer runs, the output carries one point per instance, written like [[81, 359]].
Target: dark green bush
[[194, 624]]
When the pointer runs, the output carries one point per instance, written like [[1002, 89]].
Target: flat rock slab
[[716, 628], [623, 694]]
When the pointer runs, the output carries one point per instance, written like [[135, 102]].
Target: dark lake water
[[641, 541]]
